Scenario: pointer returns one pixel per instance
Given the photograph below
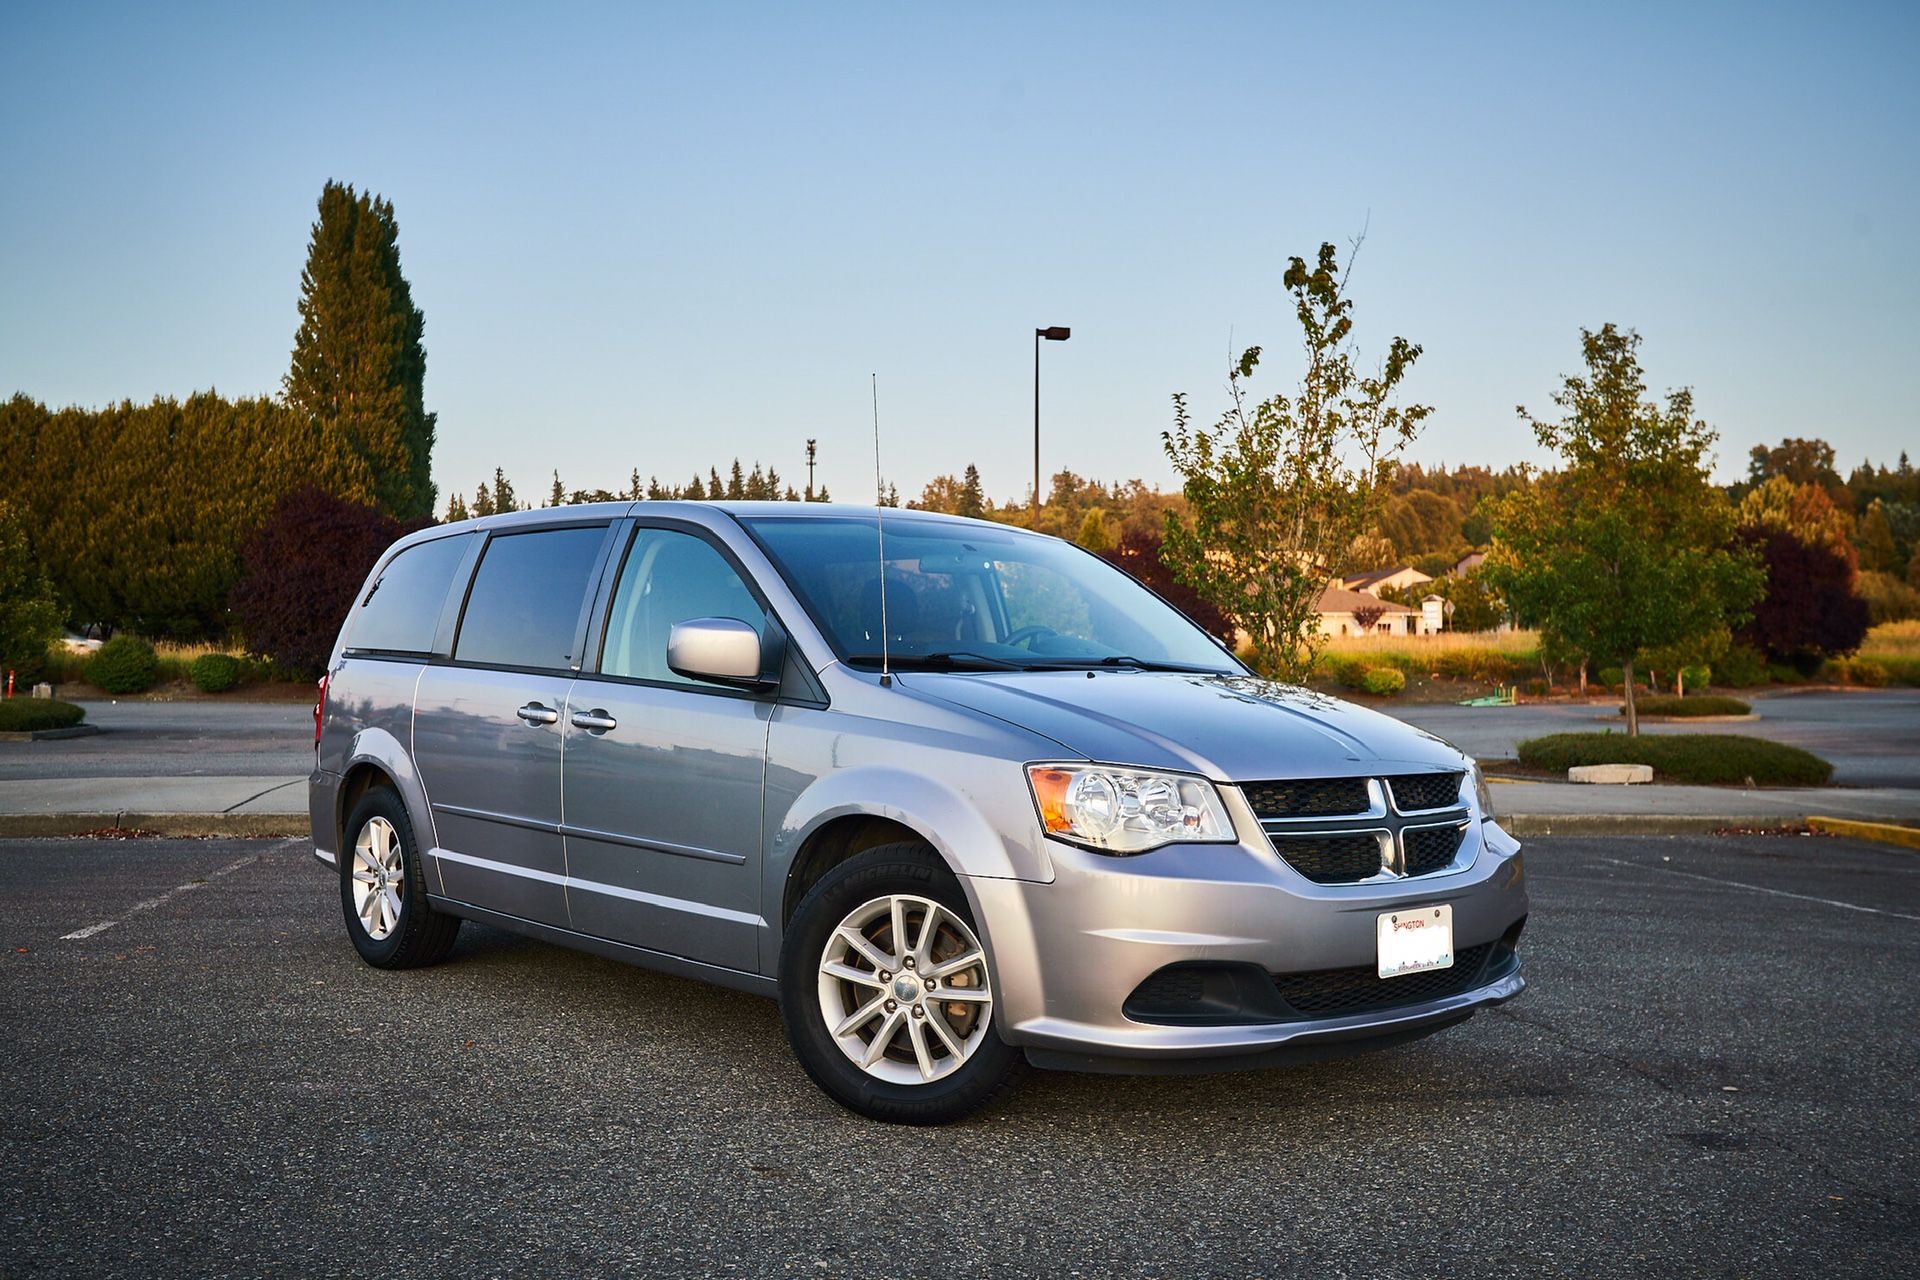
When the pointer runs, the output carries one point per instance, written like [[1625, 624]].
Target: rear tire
[[383, 889], [887, 994]]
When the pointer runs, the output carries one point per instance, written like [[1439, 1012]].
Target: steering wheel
[[1029, 634]]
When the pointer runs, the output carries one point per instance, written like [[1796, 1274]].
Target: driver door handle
[[534, 713], [595, 721]]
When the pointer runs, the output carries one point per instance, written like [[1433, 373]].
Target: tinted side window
[[669, 577], [526, 598], [401, 611]]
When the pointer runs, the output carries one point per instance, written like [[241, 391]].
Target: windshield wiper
[[959, 660], [1139, 664]]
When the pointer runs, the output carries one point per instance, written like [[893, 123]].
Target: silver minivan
[[954, 793]]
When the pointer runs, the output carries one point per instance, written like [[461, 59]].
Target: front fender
[[975, 840]]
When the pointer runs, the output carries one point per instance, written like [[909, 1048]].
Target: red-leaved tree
[[1138, 552], [1810, 611], [300, 571]]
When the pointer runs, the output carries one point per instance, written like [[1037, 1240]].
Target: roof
[[1337, 599], [1359, 581]]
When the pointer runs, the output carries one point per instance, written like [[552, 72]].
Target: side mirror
[[725, 650]]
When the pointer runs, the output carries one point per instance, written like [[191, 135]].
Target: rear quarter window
[[400, 612], [528, 597]]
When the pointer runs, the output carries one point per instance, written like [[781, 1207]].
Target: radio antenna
[[880, 529]]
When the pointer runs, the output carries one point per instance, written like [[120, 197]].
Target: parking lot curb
[[18, 825], [1879, 832], [1639, 824]]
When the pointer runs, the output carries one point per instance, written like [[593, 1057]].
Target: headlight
[[1126, 810], [1482, 793]]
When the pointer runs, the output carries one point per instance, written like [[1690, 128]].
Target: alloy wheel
[[904, 989], [379, 877]]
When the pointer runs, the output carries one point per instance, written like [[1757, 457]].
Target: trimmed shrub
[[1696, 676], [25, 715], [1382, 682], [1702, 705], [1713, 758], [1860, 671], [1612, 677], [124, 665], [215, 672], [1741, 667]]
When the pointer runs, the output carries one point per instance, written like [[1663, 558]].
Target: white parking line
[[1778, 893], [79, 935]]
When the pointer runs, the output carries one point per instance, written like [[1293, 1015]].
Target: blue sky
[[660, 236]]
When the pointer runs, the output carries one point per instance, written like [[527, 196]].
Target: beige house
[[1338, 606], [1378, 580]]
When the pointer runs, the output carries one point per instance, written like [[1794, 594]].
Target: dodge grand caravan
[[952, 792]]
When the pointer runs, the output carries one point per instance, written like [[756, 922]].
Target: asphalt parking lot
[[1713, 1073]]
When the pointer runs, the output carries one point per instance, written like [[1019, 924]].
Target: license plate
[[1415, 940]]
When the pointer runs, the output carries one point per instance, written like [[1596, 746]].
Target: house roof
[[1338, 599], [1361, 581]]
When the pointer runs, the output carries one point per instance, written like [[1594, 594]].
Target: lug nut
[[932, 983], [885, 976], [891, 1006], [909, 962], [919, 1011]]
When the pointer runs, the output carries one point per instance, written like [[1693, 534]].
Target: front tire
[[383, 889], [887, 993]]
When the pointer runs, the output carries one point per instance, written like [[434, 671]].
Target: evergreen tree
[[482, 502], [736, 483], [503, 499], [973, 502], [456, 510], [359, 367], [557, 497]]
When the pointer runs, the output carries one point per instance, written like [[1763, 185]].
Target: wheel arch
[[848, 811], [375, 759]]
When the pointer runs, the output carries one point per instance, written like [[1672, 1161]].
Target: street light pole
[[1055, 333]]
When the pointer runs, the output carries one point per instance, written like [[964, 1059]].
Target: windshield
[[973, 597]]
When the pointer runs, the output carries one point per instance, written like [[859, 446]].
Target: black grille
[[1333, 992], [1430, 849], [1307, 798], [1425, 791], [1331, 859], [1173, 986]]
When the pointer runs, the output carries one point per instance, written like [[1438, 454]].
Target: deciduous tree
[[1277, 491], [1810, 611], [1625, 549], [302, 570]]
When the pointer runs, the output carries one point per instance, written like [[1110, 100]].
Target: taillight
[[320, 709]]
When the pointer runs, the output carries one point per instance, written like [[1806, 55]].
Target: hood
[[1230, 728]]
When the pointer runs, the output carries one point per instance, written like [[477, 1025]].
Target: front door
[[664, 774]]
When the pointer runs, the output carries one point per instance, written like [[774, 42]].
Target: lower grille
[[1331, 992], [1431, 849], [1331, 859]]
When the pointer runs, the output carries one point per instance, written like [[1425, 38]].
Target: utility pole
[[811, 446]]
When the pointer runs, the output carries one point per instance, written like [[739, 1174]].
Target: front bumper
[[1067, 954]]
